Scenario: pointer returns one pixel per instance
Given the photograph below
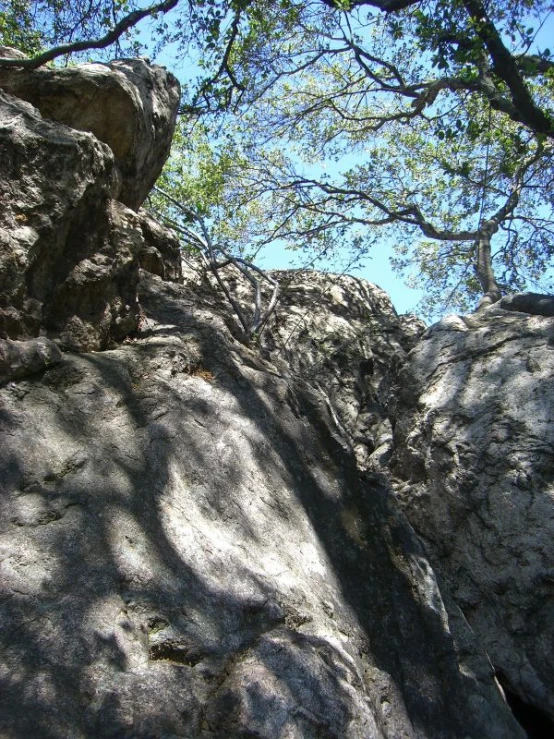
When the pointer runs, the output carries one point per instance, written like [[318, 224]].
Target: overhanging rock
[[128, 104]]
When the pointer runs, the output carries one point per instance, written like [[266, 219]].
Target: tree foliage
[[17, 26], [201, 195], [341, 123], [425, 137]]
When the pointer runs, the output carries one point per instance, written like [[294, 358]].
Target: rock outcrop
[[207, 540], [69, 249], [22, 358], [474, 451], [188, 550], [467, 418], [342, 335], [161, 253], [129, 104]]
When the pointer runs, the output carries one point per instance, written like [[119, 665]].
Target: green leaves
[[335, 125], [17, 27], [404, 98]]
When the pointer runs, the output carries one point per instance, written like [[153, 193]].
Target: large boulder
[[129, 104], [61, 270], [340, 334], [188, 551], [474, 451], [69, 248]]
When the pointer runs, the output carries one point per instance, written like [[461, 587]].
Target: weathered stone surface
[[161, 253], [21, 358], [68, 254], [100, 293], [194, 540], [6, 52], [474, 451], [533, 303], [128, 104], [342, 335], [188, 550]]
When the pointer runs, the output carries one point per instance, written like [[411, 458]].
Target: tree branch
[[209, 251], [388, 6], [509, 68], [409, 214], [129, 21], [506, 67]]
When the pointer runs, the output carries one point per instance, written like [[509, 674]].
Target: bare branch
[[209, 250], [224, 68], [388, 6], [409, 214], [126, 23], [506, 67]]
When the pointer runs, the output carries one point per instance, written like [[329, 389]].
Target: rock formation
[[129, 105], [342, 336], [69, 247], [207, 540], [474, 443], [189, 551]]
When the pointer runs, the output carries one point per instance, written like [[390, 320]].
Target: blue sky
[[376, 267]]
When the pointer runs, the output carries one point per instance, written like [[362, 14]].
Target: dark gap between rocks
[[174, 651], [535, 722]]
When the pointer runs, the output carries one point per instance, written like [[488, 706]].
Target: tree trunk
[[483, 266]]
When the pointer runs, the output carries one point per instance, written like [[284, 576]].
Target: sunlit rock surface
[[206, 540], [188, 550], [474, 458], [129, 104], [69, 247], [343, 336]]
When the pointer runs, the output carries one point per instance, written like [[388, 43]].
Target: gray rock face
[[21, 358], [341, 335], [453, 477], [533, 303], [197, 538], [188, 550], [60, 270], [474, 442], [128, 104], [161, 253], [99, 294], [69, 252]]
